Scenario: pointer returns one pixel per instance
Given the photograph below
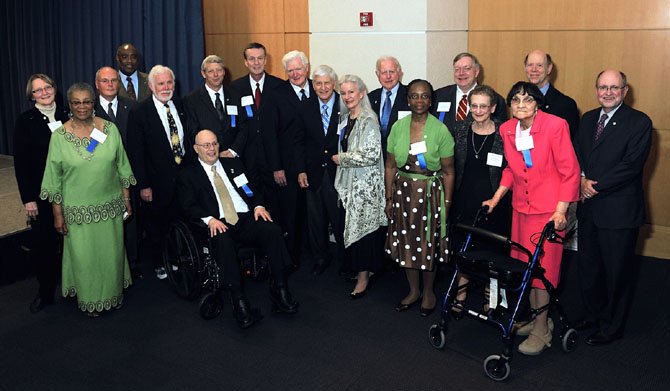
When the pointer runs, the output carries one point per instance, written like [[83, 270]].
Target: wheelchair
[[192, 269], [508, 279]]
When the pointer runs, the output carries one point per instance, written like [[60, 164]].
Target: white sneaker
[[161, 274]]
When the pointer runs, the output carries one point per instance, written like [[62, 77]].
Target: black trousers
[[249, 232], [322, 210], [44, 245], [287, 206], [607, 270], [156, 222]]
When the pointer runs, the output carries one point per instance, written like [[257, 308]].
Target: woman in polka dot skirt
[[419, 180]]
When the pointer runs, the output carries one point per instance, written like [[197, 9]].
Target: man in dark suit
[[217, 191], [156, 148], [135, 84], [217, 108], [114, 108], [451, 102], [317, 145], [392, 91], [538, 66], [261, 154], [612, 145], [109, 105]]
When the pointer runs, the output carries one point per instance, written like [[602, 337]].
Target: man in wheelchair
[[217, 192]]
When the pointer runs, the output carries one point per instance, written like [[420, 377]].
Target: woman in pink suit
[[543, 173]]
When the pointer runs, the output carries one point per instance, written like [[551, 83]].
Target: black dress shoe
[[38, 304], [319, 268], [243, 313], [282, 301], [358, 295], [426, 311], [585, 324], [598, 339], [400, 307]]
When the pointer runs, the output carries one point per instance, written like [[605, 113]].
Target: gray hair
[[211, 59], [159, 70], [80, 86], [360, 86], [459, 56], [325, 70], [97, 73], [292, 55], [32, 78], [388, 58]]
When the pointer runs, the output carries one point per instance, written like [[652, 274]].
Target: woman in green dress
[[87, 179]]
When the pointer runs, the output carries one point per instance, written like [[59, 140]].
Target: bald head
[[128, 58], [538, 67], [206, 146], [611, 89], [107, 82]]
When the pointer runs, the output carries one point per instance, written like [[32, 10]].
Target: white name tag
[[98, 136], [493, 159], [403, 114], [417, 148], [524, 143], [240, 180], [54, 125], [247, 100], [443, 107], [231, 109], [341, 126], [493, 293]]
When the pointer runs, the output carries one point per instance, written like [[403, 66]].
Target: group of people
[[283, 164]]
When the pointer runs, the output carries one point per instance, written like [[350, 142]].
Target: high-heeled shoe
[[400, 307], [358, 295], [457, 310], [426, 311]]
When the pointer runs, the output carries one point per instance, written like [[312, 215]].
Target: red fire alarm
[[366, 19]]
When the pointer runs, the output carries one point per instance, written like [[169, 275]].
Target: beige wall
[[583, 37]]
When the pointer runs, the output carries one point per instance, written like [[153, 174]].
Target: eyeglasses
[[77, 103], [462, 69], [42, 90], [527, 100], [476, 106], [417, 96], [106, 81], [208, 145], [614, 89]]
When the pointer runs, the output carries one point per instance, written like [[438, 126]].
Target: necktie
[[130, 88], [219, 106], [601, 126], [325, 118], [229, 212], [386, 113], [303, 97], [462, 109], [174, 136], [257, 95], [110, 113]]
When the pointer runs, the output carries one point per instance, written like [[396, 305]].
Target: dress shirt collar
[[261, 83], [330, 104], [297, 89], [544, 89], [610, 114], [104, 103]]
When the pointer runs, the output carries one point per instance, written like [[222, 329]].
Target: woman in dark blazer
[[31, 144], [479, 162]]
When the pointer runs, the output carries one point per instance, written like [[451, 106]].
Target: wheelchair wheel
[[211, 306], [496, 368], [182, 261], [436, 336], [569, 340]]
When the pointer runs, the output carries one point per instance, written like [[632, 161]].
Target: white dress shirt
[[238, 202]]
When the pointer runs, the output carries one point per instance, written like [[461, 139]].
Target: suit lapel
[[611, 127]]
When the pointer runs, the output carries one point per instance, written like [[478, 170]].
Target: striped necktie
[[325, 118]]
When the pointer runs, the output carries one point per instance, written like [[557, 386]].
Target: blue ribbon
[[250, 114], [526, 158], [232, 120], [422, 160], [92, 145], [442, 116], [247, 189]]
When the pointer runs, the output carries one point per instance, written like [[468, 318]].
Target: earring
[[70, 114], [93, 114]]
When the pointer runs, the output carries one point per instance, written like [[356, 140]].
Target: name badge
[[443, 107], [98, 136], [403, 114], [417, 148], [493, 159], [231, 109], [240, 180], [54, 125], [524, 143], [247, 100]]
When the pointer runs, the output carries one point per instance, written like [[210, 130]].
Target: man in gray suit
[[135, 84]]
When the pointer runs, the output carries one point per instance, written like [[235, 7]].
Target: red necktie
[[257, 95], [462, 109], [600, 126]]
